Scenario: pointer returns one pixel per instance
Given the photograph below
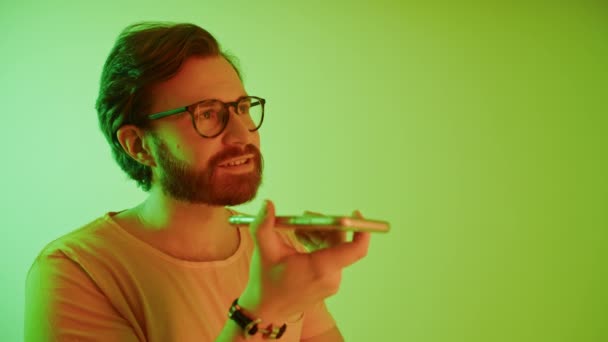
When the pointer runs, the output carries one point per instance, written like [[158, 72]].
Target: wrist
[[251, 324], [254, 307]]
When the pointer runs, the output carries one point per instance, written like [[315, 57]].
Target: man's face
[[188, 165]]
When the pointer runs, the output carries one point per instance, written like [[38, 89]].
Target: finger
[[344, 254], [357, 214], [259, 221], [262, 232], [336, 237]]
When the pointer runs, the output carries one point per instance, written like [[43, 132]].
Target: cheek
[[182, 150], [202, 153], [177, 139], [188, 147]]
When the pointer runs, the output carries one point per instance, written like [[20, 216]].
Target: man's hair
[[144, 55]]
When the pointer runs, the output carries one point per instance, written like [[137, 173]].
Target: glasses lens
[[251, 110], [208, 117]]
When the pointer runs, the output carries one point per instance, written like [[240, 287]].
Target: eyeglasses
[[210, 117]]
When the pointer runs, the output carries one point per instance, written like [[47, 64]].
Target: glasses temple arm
[[167, 113]]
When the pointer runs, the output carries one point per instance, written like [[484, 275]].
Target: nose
[[236, 131]]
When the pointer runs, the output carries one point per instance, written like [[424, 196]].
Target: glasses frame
[[225, 119]]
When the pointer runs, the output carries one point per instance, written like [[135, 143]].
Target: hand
[[283, 282], [318, 239]]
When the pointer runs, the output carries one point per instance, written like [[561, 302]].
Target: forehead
[[198, 79]]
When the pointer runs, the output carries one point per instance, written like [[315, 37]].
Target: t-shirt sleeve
[[63, 303]]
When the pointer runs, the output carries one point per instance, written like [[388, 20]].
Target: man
[[181, 124]]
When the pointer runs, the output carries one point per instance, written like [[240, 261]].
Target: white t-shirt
[[100, 283]]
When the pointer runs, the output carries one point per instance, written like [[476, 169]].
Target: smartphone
[[319, 223]]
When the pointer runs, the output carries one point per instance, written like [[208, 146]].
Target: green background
[[478, 131]]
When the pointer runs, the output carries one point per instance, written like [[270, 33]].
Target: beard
[[184, 183]]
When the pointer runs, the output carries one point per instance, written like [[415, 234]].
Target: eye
[[244, 107], [207, 112]]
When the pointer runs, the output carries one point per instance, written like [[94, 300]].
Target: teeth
[[238, 162]]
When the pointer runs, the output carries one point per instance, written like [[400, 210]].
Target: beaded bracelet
[[251, 326]]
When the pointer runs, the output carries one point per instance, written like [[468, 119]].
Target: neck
[[196, 232], [160, 212]]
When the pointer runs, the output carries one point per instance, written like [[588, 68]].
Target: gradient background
[[478, 131]]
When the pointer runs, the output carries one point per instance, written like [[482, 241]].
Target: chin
[[216, 190], [235, 195]]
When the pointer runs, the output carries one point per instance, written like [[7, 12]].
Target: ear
[[133, 141]]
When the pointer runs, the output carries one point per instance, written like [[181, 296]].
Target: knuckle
[[325, 278], [332, 283], [320, 269]]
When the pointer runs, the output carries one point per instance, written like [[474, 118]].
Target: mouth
[[240, 163]]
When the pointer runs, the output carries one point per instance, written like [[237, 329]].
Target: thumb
[[357, 214], [262, 231]]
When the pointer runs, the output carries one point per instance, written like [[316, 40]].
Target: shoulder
[[81, 239], [59, 263], [94, 245], [63, 294]]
